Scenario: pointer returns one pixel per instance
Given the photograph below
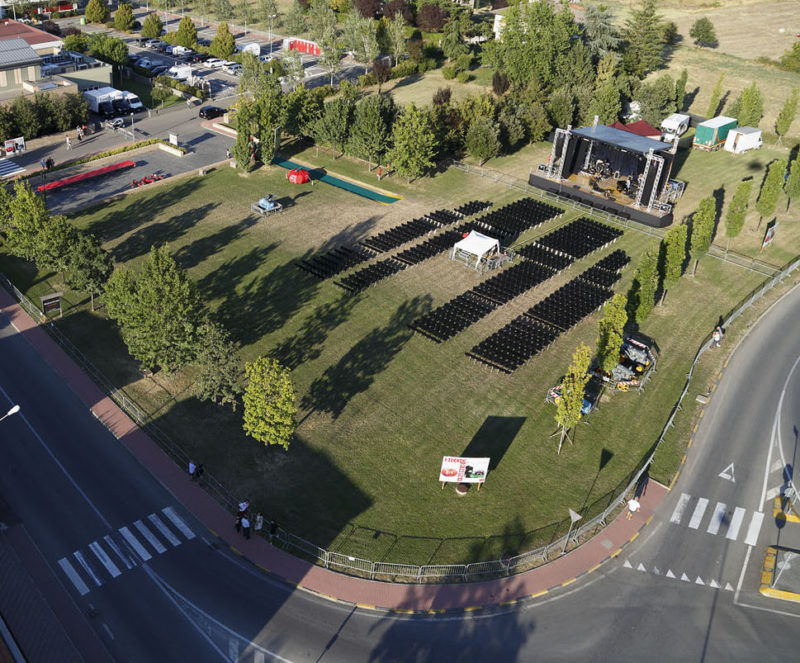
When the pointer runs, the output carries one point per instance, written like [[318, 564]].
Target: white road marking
[[728, 587], [165, 531], [169, 512], [151, 538], [627, 564], [777, 465], [685, 578], [772, 493], [727, 473], [73, 576], [699, 581], [108, 630], [699, 510], [82, 561], [713, 583], [105, 560], [127, 561], [716, 518], [656, 572], [670, 574], [641, 567], [754, 528], [736, 523], [134, 543], [680, 507]]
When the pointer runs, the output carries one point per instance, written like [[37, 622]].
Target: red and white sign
[[301, 45], [464, 470]]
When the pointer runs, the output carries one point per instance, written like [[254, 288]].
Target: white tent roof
[[477, 244]]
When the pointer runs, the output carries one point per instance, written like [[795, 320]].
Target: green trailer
[[711, 134]]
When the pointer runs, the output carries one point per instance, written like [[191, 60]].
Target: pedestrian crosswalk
[[722, 519], [124, 549], [9, 168]]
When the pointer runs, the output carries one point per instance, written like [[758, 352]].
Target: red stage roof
[[640, 128]]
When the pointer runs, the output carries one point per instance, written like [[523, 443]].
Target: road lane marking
[[151, 538], [727, 473], [754, 528], [699, 510], [134, 543], [127, 561], [105, 560], [82, 561], [165, 531], [736, 523], [716, 518], [73, 576], [169, 512], [680, 507], [772, 493]]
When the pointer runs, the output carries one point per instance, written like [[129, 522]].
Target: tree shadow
[[193, 254], [689, 97], [719, 201], [227, 277], [349, 235], [159, 233], [355, 372], [493, 439], [307, 344], [722, 101]]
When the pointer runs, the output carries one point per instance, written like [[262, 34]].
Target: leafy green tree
[[645, 285], [224, 12], [751, 107], [293, 67], [321, 21], [295, 22], [223, 44], [158, 311], [771, 189], [612, 332], [269, 13], [110, 49], [606, 103], [24, 223], [187, 33], [790, 60], [268, 116], [332, 128], [26, 117], [96, 11], [245, 128], [561, 107], [599, 30], [657, 99], [737, 210], [703, 33], [219, 370], [716, 95], [674, 255], [575, 67], [372, 127], [573, 391], [360, 38], [680, 90], [269, 403], [329, 58], [792, 185], [78, 42], [787, 115], [414, 142], [702, 230], [123, 18], [483, 139], [244, 12], [302, 109], [89, 266], [160, 93], [396, 33], [152, 26], [57, 239], [512, 126], [645, 40], [452, 42]]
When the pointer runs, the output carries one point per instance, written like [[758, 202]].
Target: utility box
[[712, 133], [743, 139]]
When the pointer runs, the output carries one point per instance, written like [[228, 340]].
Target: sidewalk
[[364, 593]]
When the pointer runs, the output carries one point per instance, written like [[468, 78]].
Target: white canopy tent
[[475, 250]]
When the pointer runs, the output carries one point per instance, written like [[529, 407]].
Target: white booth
[[477, 251], [743, 139]]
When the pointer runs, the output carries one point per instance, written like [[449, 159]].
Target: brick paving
[[297, 572]]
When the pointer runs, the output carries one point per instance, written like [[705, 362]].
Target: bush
[[431, 18], [427, 64], [449, 72], [55, 15], [166, 81], [404, 69], [366, 80], [464, 77], [464, 62]]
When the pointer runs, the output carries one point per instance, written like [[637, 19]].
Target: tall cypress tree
[[702, 229], [792, 185], [674, 254], [645, 36], [569, 406], [737, 210], [770, 189], [645, 285], [787, 115], [611, 330]]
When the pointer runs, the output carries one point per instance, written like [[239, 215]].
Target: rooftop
[[16, 53], [10, 29], [623, 139]]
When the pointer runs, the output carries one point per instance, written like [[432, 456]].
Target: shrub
[[449, 72], [464, 77], [464, 62], [55, 15], [404, 69], [431, 18], [366, 80], [427, 65]]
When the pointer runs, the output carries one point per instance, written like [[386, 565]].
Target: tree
[[414, 142], [78, 42], [599, 30], [224, 11], [716, 95], [575, 67], [24, 222], [573, 390], [269, 13], [674, 255], [787, 115], [110, 49], [792, 185], [321, 21], [293, 67], [269, 403], [372, 127], [611, 332], [244, 12], [360, 38], [57, 239], [89, 266], [268, 116], [483, 139], [645, 285], [606, 103], [96, 11], [703, 33], [302, 109], [27, 119], [158, 311], [245, 127], [645, 40], [452, 42], [702, 229], [223, 43], [737, 210], [152, 26], [770, 189], [219, 371], [748, 109], [123, 18], [332, 127], [790, 60], [329, 57], [295, 22], [187, 33], [561, 107], [680, 90], [656, 99]]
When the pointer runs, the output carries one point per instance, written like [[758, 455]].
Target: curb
[[767, 577]]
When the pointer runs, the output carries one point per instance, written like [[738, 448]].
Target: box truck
[[100, 101], [712, 133]]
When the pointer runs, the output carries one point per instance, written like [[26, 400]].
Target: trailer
[[674, 126], [743, 139], [711, 134], [266, 206]]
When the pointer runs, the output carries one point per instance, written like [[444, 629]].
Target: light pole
[[271, 18], [573, 518], [13, 410]]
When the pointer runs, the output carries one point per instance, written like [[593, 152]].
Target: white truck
[[180, 72], [134, 102], [253, 48], [674, 127], [100, 100]]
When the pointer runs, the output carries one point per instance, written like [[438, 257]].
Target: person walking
[[189, 104], [273, 530], [69, 143], [192, 469], [259, 524], [43, 163], [633, 507], [246, 527], [716, 337], [228, 153], [238, 524]]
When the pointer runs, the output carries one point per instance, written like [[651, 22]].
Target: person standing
[[259, 524], [43, 164], [69, 143], [633, 507], [246, 527], [715, 338], [192, 469], [238, 524]]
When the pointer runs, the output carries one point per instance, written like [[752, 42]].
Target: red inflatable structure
[[298, 176]]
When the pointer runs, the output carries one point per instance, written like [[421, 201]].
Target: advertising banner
[[463, 470]]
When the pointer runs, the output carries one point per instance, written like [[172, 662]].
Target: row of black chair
[[602, 277], [570, 304], [444, 216], [370, 275], [399, 235], [335, 261], [614, 261], [545, 256], [510, 347], [472, 207], [431, 247], [515, 280], [517, 217], [580, 237], [453, 317]]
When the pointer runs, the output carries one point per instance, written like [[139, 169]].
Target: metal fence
[[398, 572]]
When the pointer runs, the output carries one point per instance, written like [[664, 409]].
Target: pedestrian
[[380, 172], [69, 144], [50, 163], [246, 527], [192, 469], [715, 338], [238, 524], [259, 522], [633, 507], [84, 129], [189, 104], [228, 153], [243, 506], [273, 530], [44, 164], [199, 472]]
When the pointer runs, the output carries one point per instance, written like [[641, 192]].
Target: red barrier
[[90, 174]]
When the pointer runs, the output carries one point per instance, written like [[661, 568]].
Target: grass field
[[379, 406]]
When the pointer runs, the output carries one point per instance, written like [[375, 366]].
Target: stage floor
[[602, 188]]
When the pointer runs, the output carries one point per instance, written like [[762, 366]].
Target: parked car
[[202, 41], [214, 63], [116, 123], [159, 70], [198, 57], [144, 63], [153, 43], [210, 112], [232, 68], [265, 58]]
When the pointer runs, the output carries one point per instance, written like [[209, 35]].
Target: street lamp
[[132, 123], [13, 410], [271, 17]]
